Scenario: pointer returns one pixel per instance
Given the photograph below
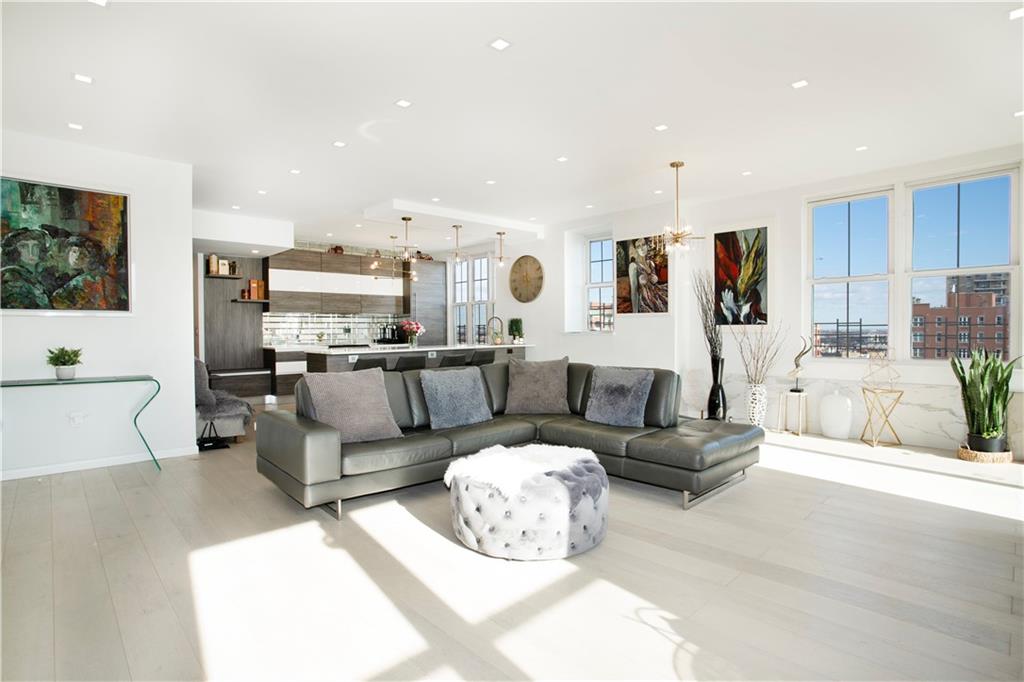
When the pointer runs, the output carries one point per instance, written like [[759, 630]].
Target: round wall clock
[[526, 278]]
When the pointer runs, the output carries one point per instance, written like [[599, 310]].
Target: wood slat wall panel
[[297, 259], [381, 305], [341, 303], [233, 332], [426, 301], [295, 301], [344, 263]]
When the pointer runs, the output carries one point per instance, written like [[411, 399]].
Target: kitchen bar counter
[[289, 361]]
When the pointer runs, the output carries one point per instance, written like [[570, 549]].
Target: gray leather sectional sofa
[[307, 460]]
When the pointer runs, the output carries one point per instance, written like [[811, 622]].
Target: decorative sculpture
[[805, 348]]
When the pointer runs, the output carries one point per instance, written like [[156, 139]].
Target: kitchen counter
[[405, 348]]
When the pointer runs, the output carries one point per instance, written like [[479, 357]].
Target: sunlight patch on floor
[[973, 495], [472, 585], [288, 604]]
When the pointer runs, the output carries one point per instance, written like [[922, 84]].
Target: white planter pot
[[757, 403], [836, 415], [65, 372]]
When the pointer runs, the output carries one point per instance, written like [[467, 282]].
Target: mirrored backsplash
[[323, 328]]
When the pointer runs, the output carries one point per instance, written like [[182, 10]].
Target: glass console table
[[18, 383]]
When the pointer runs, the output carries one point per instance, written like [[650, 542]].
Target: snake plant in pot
[[985, 391]]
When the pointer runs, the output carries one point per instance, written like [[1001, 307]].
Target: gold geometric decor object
[[880, 403]]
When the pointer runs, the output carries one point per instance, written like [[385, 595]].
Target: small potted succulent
[[412, 329], [64, 360], [985, 391], [515, 329]]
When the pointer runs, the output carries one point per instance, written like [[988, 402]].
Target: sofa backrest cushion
[[204, 396], [537, 387], [579, 386], [496, 381]]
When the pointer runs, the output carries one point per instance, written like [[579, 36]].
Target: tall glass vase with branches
[[759, 348], [704, 291]]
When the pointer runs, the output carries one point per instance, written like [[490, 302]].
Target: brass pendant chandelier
[[678, 238], [400, 255], [501, 249]]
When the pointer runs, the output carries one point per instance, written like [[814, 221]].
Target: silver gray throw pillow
[[204, 396], [618, 396], [538, 387], [355, 403], [455, 397]]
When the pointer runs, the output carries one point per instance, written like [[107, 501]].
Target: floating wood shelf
[[211, 276], [250, 300]]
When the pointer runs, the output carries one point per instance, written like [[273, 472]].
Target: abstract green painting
[[62, 248]]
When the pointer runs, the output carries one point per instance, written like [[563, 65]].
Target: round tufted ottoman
[[531, 502]]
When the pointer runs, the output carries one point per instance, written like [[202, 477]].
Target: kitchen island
[[289, 361]]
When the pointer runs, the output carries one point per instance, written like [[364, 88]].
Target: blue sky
[[850, 239]]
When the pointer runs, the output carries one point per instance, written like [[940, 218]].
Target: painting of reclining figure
[[741, 276], [641, 275], [62, 248]]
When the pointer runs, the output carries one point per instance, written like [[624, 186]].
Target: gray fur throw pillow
[[355, 403], [618, 396], [455, 397], [538, 387]]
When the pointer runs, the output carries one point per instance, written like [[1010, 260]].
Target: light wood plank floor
[[207, 571]]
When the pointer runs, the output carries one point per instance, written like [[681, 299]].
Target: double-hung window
[[961, 262], [472, 299], [850, 276], [600, 289]]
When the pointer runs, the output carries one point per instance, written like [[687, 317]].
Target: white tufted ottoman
[[531, 502]]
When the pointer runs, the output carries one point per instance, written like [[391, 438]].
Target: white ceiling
[[246, 92]]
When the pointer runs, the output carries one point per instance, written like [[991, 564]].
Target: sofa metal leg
[[333, 508], [689, 499]]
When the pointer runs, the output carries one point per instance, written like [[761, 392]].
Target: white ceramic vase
[[757, 403], [65, 372], [836, 415]]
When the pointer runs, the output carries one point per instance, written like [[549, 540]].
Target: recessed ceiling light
[[661, 127], [75, 126], [747, 173], [1017, 13], [799, 84], [436, 199], [330, 234], [359, 224], [448, 238], [533, 218], [261, 191], [404, 103], [657, 191], [294, 171], [589, 206], [1018, 114], [500, 44], [101, 3], [490, 182], [862, 148], [338, 143], [562, 159], [255, 250], [82, 78], [235, 207]]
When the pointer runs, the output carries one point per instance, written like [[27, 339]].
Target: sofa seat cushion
[[696, 444], [578, 432], [466, 440], [538, 420], [380, 455]]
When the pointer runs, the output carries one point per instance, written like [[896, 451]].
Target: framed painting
[[741, 276], [641, 276], [62, 248]]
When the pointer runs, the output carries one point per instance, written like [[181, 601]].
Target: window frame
[[1013, 267], [469, 259], [901, 257], [888, 277], [589, 284]]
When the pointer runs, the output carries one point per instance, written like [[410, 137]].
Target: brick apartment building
[[975, 316]]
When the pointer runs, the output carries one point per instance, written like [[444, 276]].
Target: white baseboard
[[63, 467]]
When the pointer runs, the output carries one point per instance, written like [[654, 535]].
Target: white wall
[[234, 234], [155, 338], [930, 414]]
